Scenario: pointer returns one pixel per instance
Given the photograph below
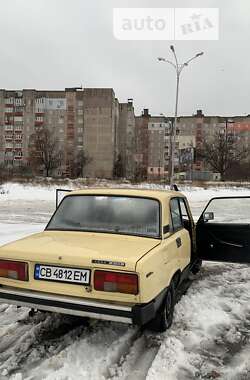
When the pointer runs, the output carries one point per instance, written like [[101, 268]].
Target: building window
[[80, 112], [8, 127], [8, 145], [8, 154], [39, 110], [9, 100], [18, 119], [8, 110]]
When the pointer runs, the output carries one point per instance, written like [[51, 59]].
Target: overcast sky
[[53, 44]]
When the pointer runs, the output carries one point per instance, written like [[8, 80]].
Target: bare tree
[[140, 173], [222, 152], [44, 150], [82, 159], [118, 169]]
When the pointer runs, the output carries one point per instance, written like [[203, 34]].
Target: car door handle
[[178, 242]]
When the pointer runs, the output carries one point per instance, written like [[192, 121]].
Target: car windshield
[[109, 214]]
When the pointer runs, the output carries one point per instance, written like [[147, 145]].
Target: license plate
[[62, 274]]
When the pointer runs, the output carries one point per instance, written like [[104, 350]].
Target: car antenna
[[175, 187]]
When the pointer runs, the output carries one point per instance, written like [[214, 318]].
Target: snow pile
[[28, 192], [17, 191], [210, 328]]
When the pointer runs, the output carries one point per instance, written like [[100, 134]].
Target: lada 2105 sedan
[[119, 254]]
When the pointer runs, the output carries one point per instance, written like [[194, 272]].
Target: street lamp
[[178, 69]]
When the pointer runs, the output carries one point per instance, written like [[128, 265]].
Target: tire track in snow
[[87, 357], [135, 362], [35, 338]]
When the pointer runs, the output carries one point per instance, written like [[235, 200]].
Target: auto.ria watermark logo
[[166, 23]]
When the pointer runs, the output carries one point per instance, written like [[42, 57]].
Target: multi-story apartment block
[[89, 120], [158, 147], [24, 112], [15, 119], [204, 128], [100, 129], [93, 121], [141, 143], [153, 145], [126, 137], [150, 160]]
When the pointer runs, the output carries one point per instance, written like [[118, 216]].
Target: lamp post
[[178, 69]]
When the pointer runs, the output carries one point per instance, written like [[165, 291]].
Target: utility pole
[[178, 69]]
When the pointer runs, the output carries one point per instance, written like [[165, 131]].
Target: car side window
[[184, 211], [175, 214]]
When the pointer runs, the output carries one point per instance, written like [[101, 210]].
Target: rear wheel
[[164, 317], [196, 267]]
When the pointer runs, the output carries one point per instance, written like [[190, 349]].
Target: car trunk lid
[[81, 249]]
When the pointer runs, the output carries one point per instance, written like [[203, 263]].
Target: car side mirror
[[208, 216]]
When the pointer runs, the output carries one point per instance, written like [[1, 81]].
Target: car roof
[[161, 195]]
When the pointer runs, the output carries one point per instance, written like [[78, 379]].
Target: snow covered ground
[[209, 339]]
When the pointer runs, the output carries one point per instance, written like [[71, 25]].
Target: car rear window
[[109, 214]]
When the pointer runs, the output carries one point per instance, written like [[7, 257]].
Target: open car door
[[223, 230], [60, 193]]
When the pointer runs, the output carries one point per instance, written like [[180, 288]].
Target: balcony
[[8, 139], [8, 127], [38, 123], [8, 121]]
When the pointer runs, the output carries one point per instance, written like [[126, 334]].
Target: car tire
[[164, 318], [196, 267]]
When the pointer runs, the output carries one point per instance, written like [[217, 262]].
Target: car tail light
[[14, 269], [116, 282]]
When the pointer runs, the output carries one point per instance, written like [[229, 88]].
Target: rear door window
[[175, 214]]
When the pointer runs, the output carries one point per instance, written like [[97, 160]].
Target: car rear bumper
[[137, 314]]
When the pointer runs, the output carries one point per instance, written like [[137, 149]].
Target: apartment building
[[141, 143], [126, 137], [101, 117], [153, 145], [204, 128], [90, 120], [24, 112], [158, 147]]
